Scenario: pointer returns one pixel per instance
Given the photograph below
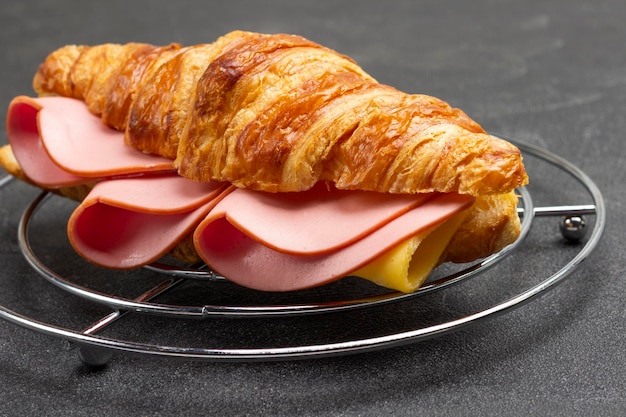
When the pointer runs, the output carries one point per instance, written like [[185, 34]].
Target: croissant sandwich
[[276, 161]]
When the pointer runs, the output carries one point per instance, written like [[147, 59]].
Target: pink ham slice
[[259, 242], [58, 143], [128, 223], [300, 222]]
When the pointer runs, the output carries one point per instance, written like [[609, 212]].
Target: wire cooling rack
[[263, 310]]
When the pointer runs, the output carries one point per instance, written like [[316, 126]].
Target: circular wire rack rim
[[96, 350]]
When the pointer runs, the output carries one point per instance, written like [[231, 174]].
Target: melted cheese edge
[[405, 267]]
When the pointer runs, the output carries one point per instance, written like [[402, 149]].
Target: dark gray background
[[551, 73]]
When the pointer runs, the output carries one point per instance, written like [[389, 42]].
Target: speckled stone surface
[[549, 73]]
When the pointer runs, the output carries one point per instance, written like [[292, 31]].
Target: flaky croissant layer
[[280, 113]]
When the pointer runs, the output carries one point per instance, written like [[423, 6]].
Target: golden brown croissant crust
[[280, 113]]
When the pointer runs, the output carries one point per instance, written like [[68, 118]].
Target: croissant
[[280, 113]]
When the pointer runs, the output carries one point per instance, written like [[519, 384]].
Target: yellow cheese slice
[[406, 267]]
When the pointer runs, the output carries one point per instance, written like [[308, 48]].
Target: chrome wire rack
[[95, 349]]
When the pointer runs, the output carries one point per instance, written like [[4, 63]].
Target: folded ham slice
[[268, 244], [312, 222], [59, 143], [128, 223]]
